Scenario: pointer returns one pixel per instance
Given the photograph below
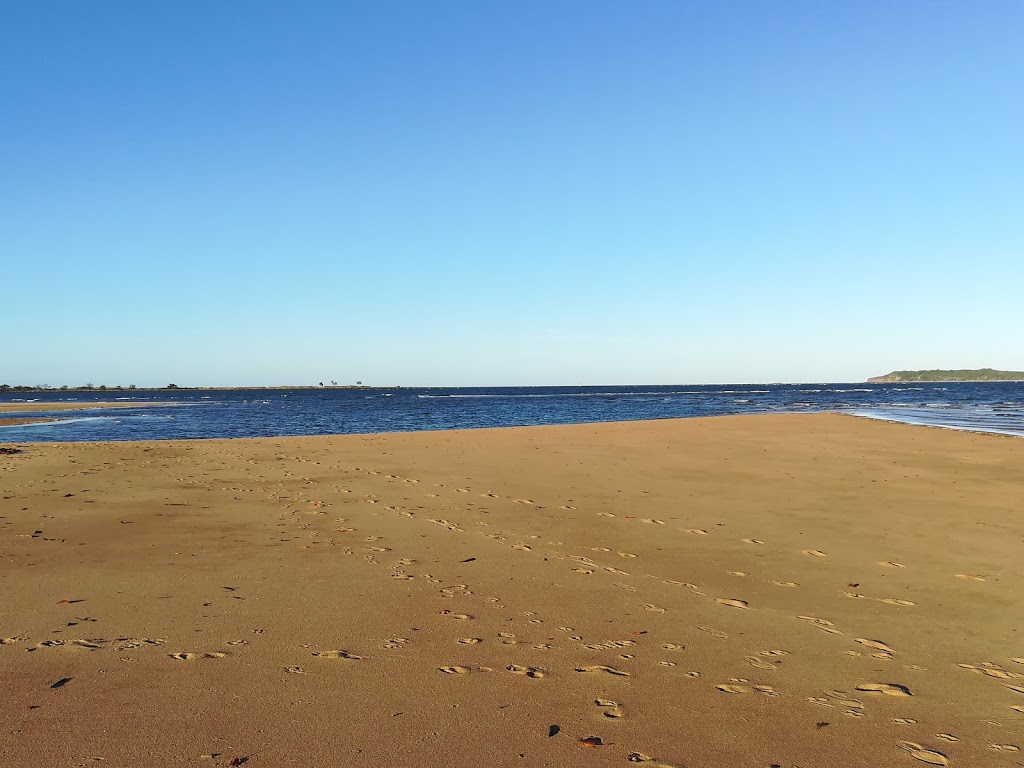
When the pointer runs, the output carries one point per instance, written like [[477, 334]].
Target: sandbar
[[778, 590]]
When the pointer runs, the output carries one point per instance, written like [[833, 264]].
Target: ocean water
[[987, 407]]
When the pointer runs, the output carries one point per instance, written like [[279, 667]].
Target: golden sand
[[739, 591]]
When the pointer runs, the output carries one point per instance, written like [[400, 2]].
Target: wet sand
[[76, 406], [742, 591]]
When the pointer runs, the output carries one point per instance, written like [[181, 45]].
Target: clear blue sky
[[484, 193]]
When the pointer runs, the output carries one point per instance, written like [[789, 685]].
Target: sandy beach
[[753, 591]]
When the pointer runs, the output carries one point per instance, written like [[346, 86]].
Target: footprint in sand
[[697, 531], [783, 583], [947, 737], [1004, 747], [823, 624], [532, 672], [652, 762], [918, 752], [767, 690], [773, 653], [603, 668], [672, 647], [814, 553], [600, 549], [753, 541], [460, 670], [585, 571], [186, 656], [237, 642], [626, 554], [714, 632], [653, 521], [991, 670], [566, 506], [616, 571], [507, 638], [295, 670], [389, 645], [337, 655], [968, 577], [890, 564], [611, 708], [470, 640], [653, 608], [737, 573], [731, 603], [877, 645], [755, 662], [606, 514], [888, 689]]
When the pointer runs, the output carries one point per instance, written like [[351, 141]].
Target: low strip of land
[[789, 590]]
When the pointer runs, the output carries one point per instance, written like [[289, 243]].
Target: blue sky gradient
[[478, 193]]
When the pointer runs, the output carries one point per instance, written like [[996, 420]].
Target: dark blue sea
[[987, 407]]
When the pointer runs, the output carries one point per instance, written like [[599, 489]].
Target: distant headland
[[980, 374]]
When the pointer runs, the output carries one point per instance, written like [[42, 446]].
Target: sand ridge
[[749, 591]]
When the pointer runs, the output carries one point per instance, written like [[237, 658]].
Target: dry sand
[[740, 591]]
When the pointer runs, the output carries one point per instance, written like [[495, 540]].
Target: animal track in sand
[[237, 642], [947, 737], [606, 514], [603, 668], [773, 653], [653, 521], [390, 644], [904, 721], [600, 549], [652, 608], [753, 541], [533, 672], [626, 554], [567, 506], [507, 638], [968, 577], [731, 603], [918, 752], [458, 616], [697, 531], [814, 553], [755, 662], [737, 573], [616, 571], [672, 647], [295, 670], [888, 689], [1004, 747], [337, 655], [470, 640], [521, 547], [585, 571], [783, 583]]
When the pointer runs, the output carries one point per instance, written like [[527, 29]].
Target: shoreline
[[741, 590]]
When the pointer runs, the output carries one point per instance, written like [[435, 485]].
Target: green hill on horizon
[[938, 374]]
